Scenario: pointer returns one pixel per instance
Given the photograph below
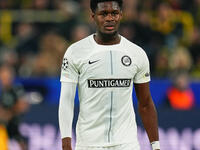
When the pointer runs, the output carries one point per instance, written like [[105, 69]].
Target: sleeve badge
[[65, 64]]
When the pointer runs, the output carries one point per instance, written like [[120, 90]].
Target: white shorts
[[128, 146]]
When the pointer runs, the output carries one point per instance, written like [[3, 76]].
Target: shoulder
[[133, 48], [78, 47], [84, 43]]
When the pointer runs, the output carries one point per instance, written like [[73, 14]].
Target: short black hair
[[93, 3]]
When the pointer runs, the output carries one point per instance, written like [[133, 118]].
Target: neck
[[107, 39]]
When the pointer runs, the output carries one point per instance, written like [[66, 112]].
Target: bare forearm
[[148, 113], [149, 118]]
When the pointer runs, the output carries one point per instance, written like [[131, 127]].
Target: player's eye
[[104, 14], [114, 13]]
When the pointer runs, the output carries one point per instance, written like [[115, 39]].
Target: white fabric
[[155, 145], [66, 108], [129, 146], [105, 76]]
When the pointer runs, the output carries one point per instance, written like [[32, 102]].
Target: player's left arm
[[148, 113]]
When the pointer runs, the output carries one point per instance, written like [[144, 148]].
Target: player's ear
[[92, 15]]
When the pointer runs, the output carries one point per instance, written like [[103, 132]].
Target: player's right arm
[[69, 80], [66, 109]]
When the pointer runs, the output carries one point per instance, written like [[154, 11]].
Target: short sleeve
[[69, 71], [143, 73]]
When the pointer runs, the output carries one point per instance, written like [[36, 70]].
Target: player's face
[[107, 17]]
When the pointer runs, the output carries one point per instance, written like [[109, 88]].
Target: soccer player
[[105, 66]]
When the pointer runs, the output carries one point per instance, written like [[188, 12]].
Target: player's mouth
[[109, 27]]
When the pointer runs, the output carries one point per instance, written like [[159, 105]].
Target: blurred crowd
[[168, 30], [13, 104]]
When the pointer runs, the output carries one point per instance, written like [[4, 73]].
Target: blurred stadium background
[[34, 35]]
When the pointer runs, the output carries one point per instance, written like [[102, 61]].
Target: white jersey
[[105, 75]]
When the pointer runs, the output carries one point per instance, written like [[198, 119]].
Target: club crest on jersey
[[126, 60], [65, 64]]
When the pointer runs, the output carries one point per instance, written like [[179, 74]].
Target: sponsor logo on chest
[[108, 83]]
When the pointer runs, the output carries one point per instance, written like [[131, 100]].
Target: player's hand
[[66, 143], [66, 147]]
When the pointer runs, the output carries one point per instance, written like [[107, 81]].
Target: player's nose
[[109, 17]]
